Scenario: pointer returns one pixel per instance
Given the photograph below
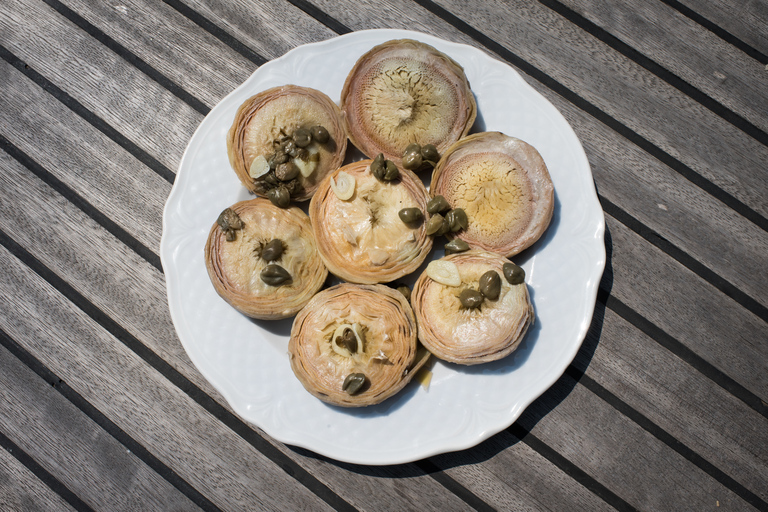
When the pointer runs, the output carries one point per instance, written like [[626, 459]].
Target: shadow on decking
[[535, 412]]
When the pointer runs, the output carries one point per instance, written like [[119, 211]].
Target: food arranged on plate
[[409, 108], [370, 229], [355, 345], [472, 307], [263, 260], [403, 92], [284, 141], [503, 185]]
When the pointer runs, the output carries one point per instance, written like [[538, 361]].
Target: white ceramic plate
[[247, 361]]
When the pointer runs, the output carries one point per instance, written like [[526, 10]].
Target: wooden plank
[[528, 481], [658, 112], [20, 489], [98, 79], [745, 19], [689, 310], [704, 417], [77, 154], [249, 22], [128, 289], [74, 449], [171, 43], [154, 412], [685, 49], [620, 454]]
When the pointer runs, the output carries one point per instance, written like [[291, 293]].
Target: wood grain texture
[[223, 467], [745, 19], [700, 58], [98, 79], [171, 43], [78, 452], [620, 453], [657, 111], [76, 153], [20, 489]]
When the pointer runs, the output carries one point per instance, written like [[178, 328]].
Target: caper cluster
[[383, 169], [489, 287], [281, 183], [273, 274], [439, 224], [417, 158], [347, 340], [230, 222]]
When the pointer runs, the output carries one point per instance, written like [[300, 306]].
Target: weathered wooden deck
[[664, 407]]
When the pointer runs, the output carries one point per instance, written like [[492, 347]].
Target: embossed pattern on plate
[[247, 360]]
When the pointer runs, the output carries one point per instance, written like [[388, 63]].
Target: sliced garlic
[[307, 167], [444, 272], [259, 167], [344, 187]]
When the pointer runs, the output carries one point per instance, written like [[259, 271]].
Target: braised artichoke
[[263, 260], [503, 186], [465, 319], [355, 345]]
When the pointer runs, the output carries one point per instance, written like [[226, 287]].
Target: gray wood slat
[[657, 112], [171, 43], [79, 453], [687, 50], [20, 489], [98, 79], [131, 291], [745, 19], [73, 151], [624, 457], [249, 22], [150, 322], [212, 459], [691, 311], [676, 396]]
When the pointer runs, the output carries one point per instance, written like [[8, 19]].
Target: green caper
[[434, 224], [288, 146], [377, 166], [438, 204], [302, 137], [271, 179], [405, 291], [456, 245], [429, 153], [272, 250], [229, 219], [411, 215], [293, 187], [457, 218], [392, 172], [470, 298], [231, 235], [412, 161], [276, 159], [412, 149], [490, 285], [445, 228], [274, 275], [353, 383], [286, 171], [280, 197], [347, 340], [513, 273], [320, 134]]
